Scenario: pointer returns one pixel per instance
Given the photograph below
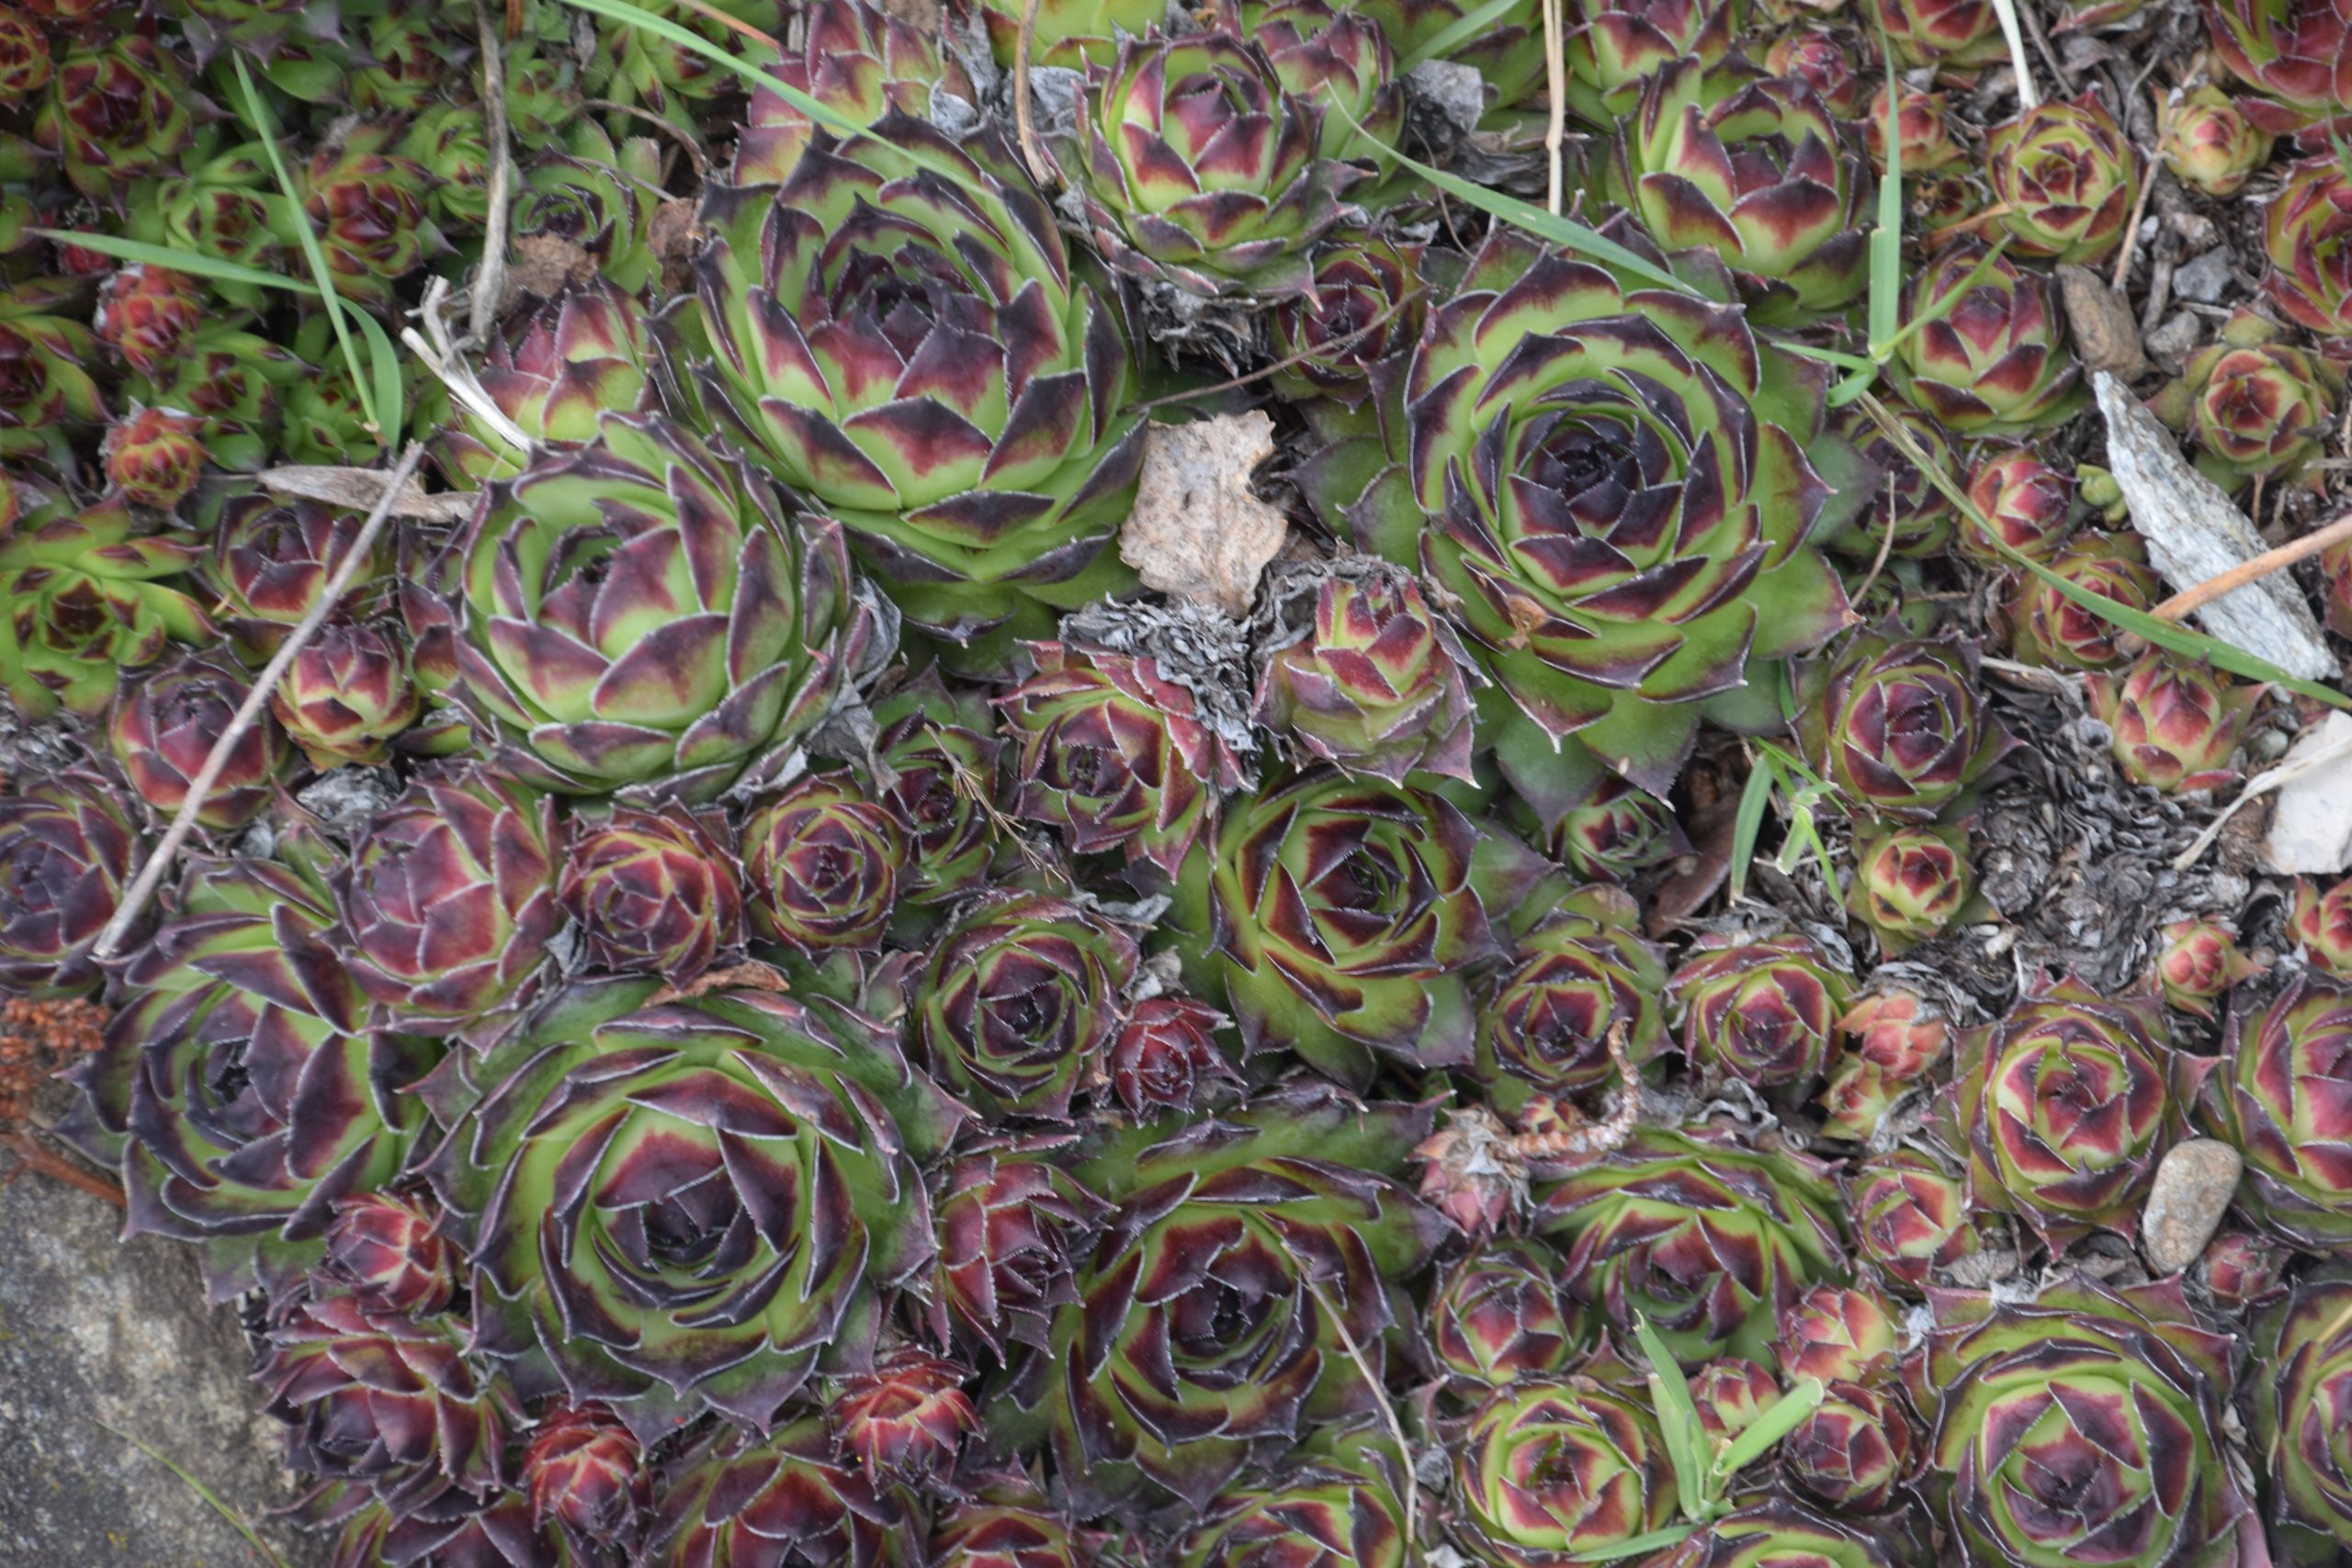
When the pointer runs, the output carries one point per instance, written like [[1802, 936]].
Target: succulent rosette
[[1613, 47], [860, 62], [1759, 175], [1583, 969], [2321, 924], [118, 109], [2198, 963], [2067, 178], [1821, 57], [1017, 1000], [787, 1501], [1855, 1451], [639, 612], [1502, 1314], [66, 848], [238, 1092], [1164, 1058], [368, 206], [2256, 407], [1923, 132], [2087, 1422], [2029, 505], [586, 1476], [653, 891], [1905, 514], [1729, 1392], [2242, 1269], [582, 354], [153, 456], [2307, 235], [1838, 1334], [1894, 1038], [1635, 539], [822, 865], [388, 1251], [347, 694], [1199, 165], [163, 729], [2291, 51], [1014, 1225], [1365, 301], [940, 748], [1898, 723], [1765, 1012], [1706, 1239], [1617, 833], [1911, 883], [1214, 1319], [1338, 1503], [1332, 55], [2065, 1106], [595, 198], [382, 1398], [1955, 34], [1910, 1216], [2178, 726], [1010, 1527], [1338, 917], [84, 597], [2209, 144], [235, 384], [914, 348], [2303, 1409], [2282, 1097], [2046, 628], [272, 560], [146, 314], [1116, 755], [904, 1418], [46, 355], [450, 142], [227, 206], [686, 1205], [1996, 362], [1779, 1532], [448, 901], [1548, 1472]]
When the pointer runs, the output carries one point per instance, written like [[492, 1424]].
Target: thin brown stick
[[1380, 1396], [489, 282], [1885, 545], [1556, 79], [1276, 369], [1032, 151], [200, 789], [694, 152], [2192, 600], [2132, 230], [31, 1157], [2027, 14]]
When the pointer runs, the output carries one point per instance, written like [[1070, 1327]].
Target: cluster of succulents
[[750, 987]]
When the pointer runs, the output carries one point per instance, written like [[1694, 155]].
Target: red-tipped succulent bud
[[66, 847], [369, 208], [2206, 142], [2240, 1269], [2030, 506], [2307, 235], [163, 729], [1584, 970], [907, 1417], [1729, 1392], [272, 560], [1923, 133], [1617, 833], [1996, 362], [2199, 963], [653, 891], [1898, 725], [1164, 1058], [1952, 33], [1764, 1012], [147, 314], [1855, 1451], [154, 456], [2257, 408], [2322, 924], [2283, 1099], [1366, 300], [1822, 59], [1838, 1334], [587, 1478], [2067, 178], [1910, 1216], [347, 693], [1500, 1314], [1911, 883], [1894, 1038], [821, 864], [388, 1251], [2048, 629], [2178, 726], [1011, 1224]]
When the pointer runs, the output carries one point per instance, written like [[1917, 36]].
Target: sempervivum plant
[[2291, 52], [1584, 968], [2283, 1099], [1911, 883], [914, 348], [1106, 746], [153, 456], [1908, 515], [46, 355], [939, 750], [686, 1205], [1893, 1039], [388, 1252], [1954, 33], [1899, 725], [2307, 235], [2199, 962], [1613, 486], [369, 208], [1996, 361], [860, 62], [822, 865], [1923, 132], [2257, 407], [272, 560], [653, 891], [1855, 1451], [66, 847], [1910, 1217], [2065, 1106], [1765, 1012], [640, 613], [163, 729], [1706, 1239], [116, 109], [1554, 1473], [1019, 996], [2304, 1417], [1338, 1503], [2046, 628], [238, 1091], [146, 314], [1497, 49], [905, 1418], [1201, 167], [1501, 1313], [2176, 727], [551, 374], [1779, 1532], [2321, 926], [787, 1501], [1362, 673], [1014, 1226], [1366, 300], [2208, 144], [1339, 917], [1760, 175], [1335, 56], [1212, 1321], [586, 1477], [2066, 177], [1166, 1057], [2086, 1421], [2029, 505], [1613, 47], [348, 693], [1822, 58], [1616, 833], [86, 596]]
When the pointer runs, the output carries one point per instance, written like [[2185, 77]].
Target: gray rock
[[2178, 337], [92, 1331], [2185, 1201], [2205, 279]]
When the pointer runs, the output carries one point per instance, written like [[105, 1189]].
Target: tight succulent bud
[[388, 1251], [1582, 971], [1951, 33], [1838, 1334], [147, 314], [1894, 1038], [821, 865], [2066, 178], [1898, 725], [1923, 133], [1164, 1058], [1501, 1315], [1855, 1451], [1547, 1472], [1820, 57], [1996, 362], [1366, 300], [154, 456], [1019, 996], [1910, 1216], [1763, 1012], [66, 846], [586, 1477], [2241, 1268], [654, 891], [2029, 505], [2178, 726], [1729, 1392], [1013, 1227], [348, 693], [2256, 407], [162, 730], [2206, 142], [907, 1417], [1911, 883], [2048, 629]]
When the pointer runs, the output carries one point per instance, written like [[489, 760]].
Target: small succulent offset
[[2176, 727], [2199, 963], [1898, 725], [1911, 883], [1764, 1012], [1996, 362], [2257, 406], [2280, 1097], [2067, 178], [2208, 144], [67, 844], [2302, 1414]]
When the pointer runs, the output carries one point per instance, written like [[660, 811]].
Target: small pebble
[[2187, 1201], [2176, 337], [2206, 279]]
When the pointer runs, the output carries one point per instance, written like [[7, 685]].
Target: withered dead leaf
[[2107, 337], [1197, 531], [360, 488]]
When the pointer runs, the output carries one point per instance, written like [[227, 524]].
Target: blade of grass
[[392, 392], [195, 263], [1753, 801], [236, 1521], [1453, 35], [265, 129], [2028, 96], [1636, 1546], [1775, 1422], [1886, 239], [1677, 1417]]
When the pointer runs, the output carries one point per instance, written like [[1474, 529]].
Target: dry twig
[[2190, 600], [490, 281]]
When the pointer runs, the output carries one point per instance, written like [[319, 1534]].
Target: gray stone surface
[[91, 1331]]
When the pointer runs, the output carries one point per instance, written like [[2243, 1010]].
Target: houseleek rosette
[[2303, 1407], [2283, 1099]]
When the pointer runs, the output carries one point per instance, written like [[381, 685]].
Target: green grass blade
[[257, 121], [236, 1520], [1886, 239], [194, 262], [1750, 820], [1458, 33], [391, 390], [1678, 1419], [1636, 1546], [1775, 1422]]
